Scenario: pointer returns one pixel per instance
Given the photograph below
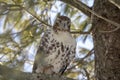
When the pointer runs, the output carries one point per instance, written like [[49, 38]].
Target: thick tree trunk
[[107, 45]]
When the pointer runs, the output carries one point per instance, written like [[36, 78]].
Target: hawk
[[56, 49]]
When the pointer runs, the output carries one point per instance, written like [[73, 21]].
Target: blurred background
[[23, 21]]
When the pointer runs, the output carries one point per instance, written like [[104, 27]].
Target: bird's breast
[[63, 37]]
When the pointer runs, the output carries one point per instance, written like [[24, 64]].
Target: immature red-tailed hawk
[[57, 48]]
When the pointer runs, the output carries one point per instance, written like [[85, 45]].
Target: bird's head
[[62, 23]]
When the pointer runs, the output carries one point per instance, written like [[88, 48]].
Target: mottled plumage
[[57, 48]]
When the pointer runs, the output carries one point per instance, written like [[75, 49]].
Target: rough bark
[[107, 45]]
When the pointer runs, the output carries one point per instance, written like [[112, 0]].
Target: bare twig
[[87, 55], [78, 6], [87, 74], [79, 32], [115, 2], [35, 17], [81, 60]]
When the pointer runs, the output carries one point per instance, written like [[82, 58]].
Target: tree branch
[[78, 6], [11, 74], [82, 59], [79, 32], [115, 2], [87, 74]]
